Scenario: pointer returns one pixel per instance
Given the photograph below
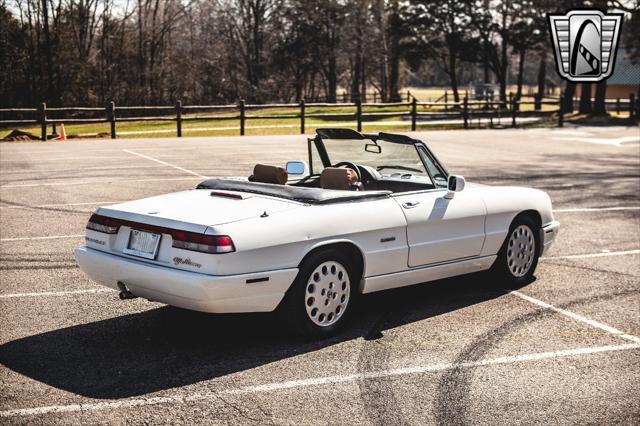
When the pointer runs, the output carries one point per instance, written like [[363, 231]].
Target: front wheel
[[518, 257], [319, 300]]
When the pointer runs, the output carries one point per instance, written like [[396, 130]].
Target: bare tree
[[440, 29]]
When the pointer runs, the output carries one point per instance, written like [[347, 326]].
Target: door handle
[[410, 204]]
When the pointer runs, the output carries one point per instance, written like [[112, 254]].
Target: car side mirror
[[297, 168], [455, 184]]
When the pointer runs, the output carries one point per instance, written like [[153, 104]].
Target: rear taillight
[[202, 243], [107, 225], [181, 239]]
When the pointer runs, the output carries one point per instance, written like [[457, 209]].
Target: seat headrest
[[338, 178], [270, 174]]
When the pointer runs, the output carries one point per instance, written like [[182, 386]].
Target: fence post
[[414, 114], [446, 101], [43, 122], [465, 112], [617, 106], [302, 112], [408, 95], [632, 107], [561, 111], [242, 116], [514, 110], [111, 116], [179, 118], [359, 113], [375, 97]]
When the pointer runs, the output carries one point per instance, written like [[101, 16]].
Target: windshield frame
[[421, 148]]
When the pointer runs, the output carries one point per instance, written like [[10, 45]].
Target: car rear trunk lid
[[192, 211]]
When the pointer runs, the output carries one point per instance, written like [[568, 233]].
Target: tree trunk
[[383, 79], [394, 54], [599, 106], [569, 93], [453, 76], [503, 62], [585, 99], [332, 79], [142, 81], [363, 82], [542, 75], [47, 50], [355, 77], [485, 64], [520, 73], [299, 84]]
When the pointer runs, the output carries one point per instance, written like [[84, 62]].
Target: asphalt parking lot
[[563, 349]]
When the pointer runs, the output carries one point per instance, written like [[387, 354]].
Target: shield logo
[[585, 43]]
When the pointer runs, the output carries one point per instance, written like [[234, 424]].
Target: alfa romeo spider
[[363, 213]]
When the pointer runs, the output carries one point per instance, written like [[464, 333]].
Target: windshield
[[393, 157], [391, 160]]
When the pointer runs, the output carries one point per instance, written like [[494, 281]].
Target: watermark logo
[[585, 43]]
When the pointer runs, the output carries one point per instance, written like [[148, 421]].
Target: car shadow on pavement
[[164, 348]]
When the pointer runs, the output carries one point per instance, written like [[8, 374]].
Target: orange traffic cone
[[63, 134]]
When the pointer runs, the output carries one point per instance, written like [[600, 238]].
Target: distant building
[[625, 78]]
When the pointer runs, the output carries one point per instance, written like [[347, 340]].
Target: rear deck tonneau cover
[[295, 193]]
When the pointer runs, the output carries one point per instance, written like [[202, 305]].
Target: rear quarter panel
[[283, 239]]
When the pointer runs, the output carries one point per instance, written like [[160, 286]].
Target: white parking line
[[64, 159], [578, 317], [58, 149], [304, 383], [55, 293], [88, 203], [601, 141], [596, 209], [165, 163], [92, 182], [588, 255], [51, 237], [98, 168]]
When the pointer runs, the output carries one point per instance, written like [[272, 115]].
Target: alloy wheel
[[521, 251], [327, 293]]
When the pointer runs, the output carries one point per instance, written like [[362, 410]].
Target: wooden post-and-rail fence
[[466, 111]]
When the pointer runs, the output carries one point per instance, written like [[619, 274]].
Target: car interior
[[350, 176]]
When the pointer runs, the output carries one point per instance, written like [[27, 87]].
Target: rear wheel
[[318, 302], [518, 257]]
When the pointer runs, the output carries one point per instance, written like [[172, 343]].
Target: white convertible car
[[366, 212]]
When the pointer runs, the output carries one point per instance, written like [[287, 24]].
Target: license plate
[[143, 244]]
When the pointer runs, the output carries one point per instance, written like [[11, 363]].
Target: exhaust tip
[[125, 294]]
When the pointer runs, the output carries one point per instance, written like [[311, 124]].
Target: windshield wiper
[[410, 169]]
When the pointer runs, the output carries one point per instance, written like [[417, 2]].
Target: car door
[[441, 229]]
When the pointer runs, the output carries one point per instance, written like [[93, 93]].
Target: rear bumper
[[549, 233], [189, 290]]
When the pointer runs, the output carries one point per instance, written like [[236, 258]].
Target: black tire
[[294, 309], [515, 266]]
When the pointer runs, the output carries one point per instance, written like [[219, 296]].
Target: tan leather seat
[[338, 178], [270, 174]]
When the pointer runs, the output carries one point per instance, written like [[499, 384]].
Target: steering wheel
[[350, 165]]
